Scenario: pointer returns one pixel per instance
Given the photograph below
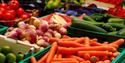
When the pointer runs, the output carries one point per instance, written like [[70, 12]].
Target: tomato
[[14, 4], [4, 5], [1, 14], [12, 12], [24, 16], [20, 11], [8, 16]]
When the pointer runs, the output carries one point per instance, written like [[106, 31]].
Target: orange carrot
[[93, 53], [69, 39], [105, 58], [52, 52], [56, 56], [87, 41], [70, 44], [78, 58], [59, 56], [65, 36], [51, 40], [100, 62], [43, 58], [116, 54], [33, 60], [80, 40], [96, 44], [64, 50], [65, 61], [117, 42], [85, 62], [107, 61], [86, 56]]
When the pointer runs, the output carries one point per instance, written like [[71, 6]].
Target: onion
[[39, 33], [32, 27], [43, 27], [57, 35], [62, 30], [36, 22], [13, 35], [10, 29], [48, 34], [42, 42], [22, 25], [46, 38]]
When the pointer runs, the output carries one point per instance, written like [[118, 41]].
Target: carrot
[[55, 57], [68, 39], [87, 41], [100, 62], [43, 58], [105, 43], [85, 62], [115, 54], [107, 61], [65, 61], [52, 52], [86, 56], [94, 53], [70, 44], [96, 44], [78, 58], [65, 36], [59, 56], [64, 50], [80, 40], [105, 58], [117, 42], [33, 60], [51, 40]]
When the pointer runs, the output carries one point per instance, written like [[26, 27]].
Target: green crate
[[37, 55], [75, 32], [3, 29], [120, 58]]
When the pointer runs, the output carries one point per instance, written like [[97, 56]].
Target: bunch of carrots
[[80, 50]]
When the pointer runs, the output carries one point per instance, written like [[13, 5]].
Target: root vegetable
[[13, 35], [10, 29], [49, 35], [32, 27], [22, 25], [62, 30], [36, 22], [30, 36], [57, 35], [39, 33], [46, 38], [42, 42], [43, 27]]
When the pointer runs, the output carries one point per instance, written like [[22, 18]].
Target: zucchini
[[87, 26], [112, 33], [121, 32], [88, 18], [116, 20], [117, 26]]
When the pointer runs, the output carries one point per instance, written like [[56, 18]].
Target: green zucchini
[[117, 26], [121, 32], [112, 33], [116, 20], [88, 18]]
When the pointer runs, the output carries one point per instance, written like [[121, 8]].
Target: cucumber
[[88, 18], [87, 26], [121, 32], [112, 33], [94, 23], [117, 26], [116, 20]]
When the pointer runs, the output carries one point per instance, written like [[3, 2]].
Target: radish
[[43, 27], [39, 33]]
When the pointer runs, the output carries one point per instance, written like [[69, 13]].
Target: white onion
[[57, 35], [62, 30]]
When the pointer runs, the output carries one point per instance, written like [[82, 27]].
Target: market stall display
[[63, 31]]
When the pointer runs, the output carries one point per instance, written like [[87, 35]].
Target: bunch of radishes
[[36, 31]]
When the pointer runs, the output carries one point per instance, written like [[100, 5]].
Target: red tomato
[[20, 11], [24, 16], [12, 12], [1, 14], [8, 16], [4, 5], [14, 4]]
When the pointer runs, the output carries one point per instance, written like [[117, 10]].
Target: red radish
[[10, 29], [30, 36], [43, 27], [39, 33]]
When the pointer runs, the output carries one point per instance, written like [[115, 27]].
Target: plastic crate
[[3, 29], [120, 58], [75, 32], [37, 55]]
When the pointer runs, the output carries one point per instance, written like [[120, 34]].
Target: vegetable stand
[[63, 31]]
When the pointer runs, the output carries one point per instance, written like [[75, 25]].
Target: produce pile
[[38, 31], [7, 56], [80, 50], [11, 11]]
